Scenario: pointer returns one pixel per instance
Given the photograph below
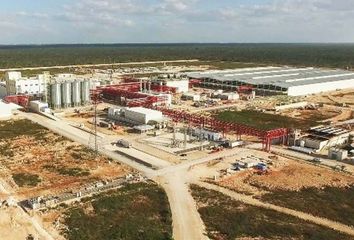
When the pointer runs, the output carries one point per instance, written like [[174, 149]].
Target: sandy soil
[[286, 175], [44, 158]]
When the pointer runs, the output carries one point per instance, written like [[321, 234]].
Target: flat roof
[[143, 110], [284, 77]]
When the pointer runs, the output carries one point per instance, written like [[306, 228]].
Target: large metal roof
[[284, 77]]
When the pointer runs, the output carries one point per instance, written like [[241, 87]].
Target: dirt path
[[305, 216], [97, 65], [186, 220]]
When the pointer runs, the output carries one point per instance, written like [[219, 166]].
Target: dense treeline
[[325, 55]]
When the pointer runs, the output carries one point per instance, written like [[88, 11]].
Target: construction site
[[252, 131]]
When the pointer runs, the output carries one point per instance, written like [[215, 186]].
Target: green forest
[[323, 55]]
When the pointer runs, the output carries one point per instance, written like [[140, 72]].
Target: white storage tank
[[55, 95], [76, 93], [66, 94], [85, 92]]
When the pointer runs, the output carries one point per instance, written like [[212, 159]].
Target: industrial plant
[[278, 80], [242, 130]]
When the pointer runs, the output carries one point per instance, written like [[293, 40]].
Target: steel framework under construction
[[132, 95], [227, 127]]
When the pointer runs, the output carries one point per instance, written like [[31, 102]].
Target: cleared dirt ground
[[335, 98], [59, 163], [286, 174]]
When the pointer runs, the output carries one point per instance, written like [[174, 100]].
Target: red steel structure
[[227, 127], [194, 82], [128, 94], [22, 100]]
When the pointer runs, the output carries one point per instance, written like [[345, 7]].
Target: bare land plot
[[226, 218], [299, 186], [41, 162]]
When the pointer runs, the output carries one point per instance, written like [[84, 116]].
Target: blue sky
[[135, 21]]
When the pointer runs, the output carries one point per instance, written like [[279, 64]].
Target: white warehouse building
[[135, 115], [143, 115], [278, 80]]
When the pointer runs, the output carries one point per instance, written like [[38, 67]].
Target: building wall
[[181, 85], [210, 135], [320, 87], [3, 91], [314, 143], [143, 117], [13, 75], [26, 86]]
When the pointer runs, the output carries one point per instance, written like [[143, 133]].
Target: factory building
[[17, 85], [135, 115], [182, 85], [207, 134], [278, 80], [321, 137], [191, 97]]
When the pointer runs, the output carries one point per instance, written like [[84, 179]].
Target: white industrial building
[[337, 154], [207, 134], [135, 115], [229, 96], [143, 115], [181, 85], [16, 84], [191, 97], [38, 106], [278, 80], [321, 137]]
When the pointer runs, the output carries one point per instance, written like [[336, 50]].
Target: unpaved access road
[[96, 65], [305, 216], [186, 220]]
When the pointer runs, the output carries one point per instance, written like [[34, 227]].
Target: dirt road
[[187, 223], [186, 220], [96, 65], [305, 216]]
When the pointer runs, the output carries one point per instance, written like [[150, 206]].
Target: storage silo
[[55, 95], [76, 93], [66, 94], [85, 92]]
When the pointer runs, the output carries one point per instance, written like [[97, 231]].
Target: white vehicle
[[124, 143]]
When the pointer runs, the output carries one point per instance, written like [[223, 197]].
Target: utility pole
[[95, 96]]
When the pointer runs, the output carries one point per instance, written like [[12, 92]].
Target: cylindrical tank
[[76, 93], [55, 95], [66, 94], [85, 92]]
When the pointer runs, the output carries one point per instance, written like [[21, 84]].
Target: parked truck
[[124, 143]]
